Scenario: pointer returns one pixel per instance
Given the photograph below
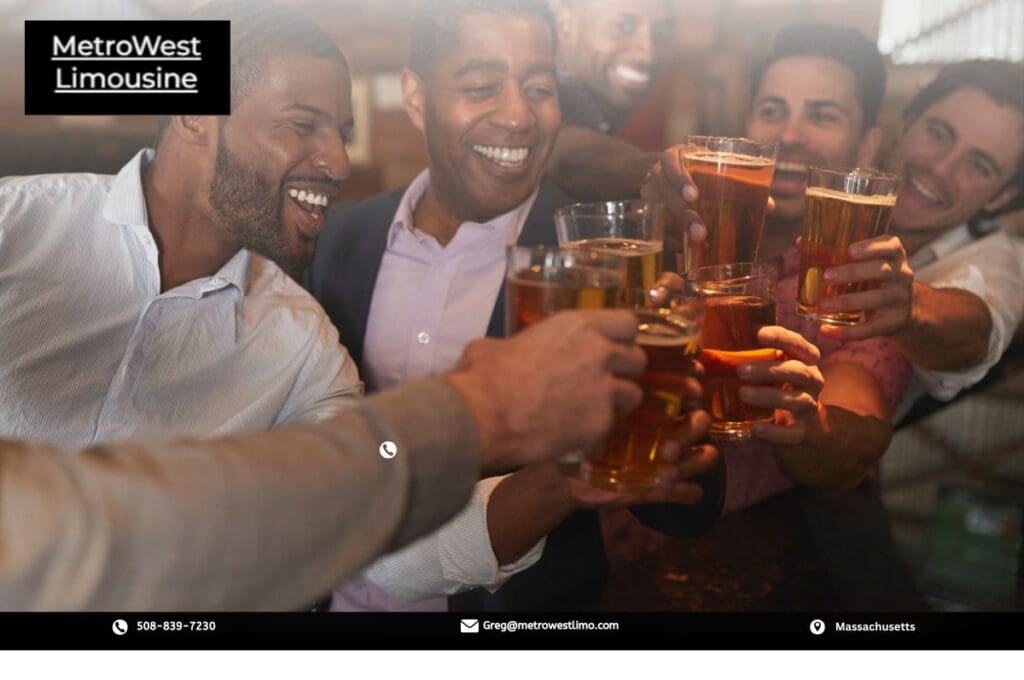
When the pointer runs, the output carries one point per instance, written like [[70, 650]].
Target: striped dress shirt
[[91, 351]]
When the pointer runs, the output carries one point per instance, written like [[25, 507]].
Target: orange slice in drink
[[718, 361]]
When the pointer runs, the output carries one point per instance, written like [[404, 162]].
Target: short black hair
[[436, 22], [260, 30], [1001, 81], [848, 46]]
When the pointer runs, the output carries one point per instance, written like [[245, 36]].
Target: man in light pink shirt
[[410, 277]]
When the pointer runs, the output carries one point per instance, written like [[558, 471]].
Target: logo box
[[127, 67]]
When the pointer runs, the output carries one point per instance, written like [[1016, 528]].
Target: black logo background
[[212, 71]]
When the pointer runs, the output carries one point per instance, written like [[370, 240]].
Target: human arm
[[502, 531], [590, 166], [271, 520], [954, 325], [262, 521]]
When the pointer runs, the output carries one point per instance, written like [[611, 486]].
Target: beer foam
[[623, 247], [886, 200], [646, 339], [724, 158]]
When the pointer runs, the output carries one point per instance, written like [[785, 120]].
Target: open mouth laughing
[[309, 203], [505, 157]]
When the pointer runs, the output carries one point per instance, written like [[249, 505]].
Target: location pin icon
[[817, 626]]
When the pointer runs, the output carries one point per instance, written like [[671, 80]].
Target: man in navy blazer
[[410, 276]]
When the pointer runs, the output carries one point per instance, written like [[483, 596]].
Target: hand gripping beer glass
[[632, 230], [739, 299], [733, 177], [842, 207], [669, 333]]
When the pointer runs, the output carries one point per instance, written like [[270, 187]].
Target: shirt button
[[146, 240], [423, 337], [217, 281]]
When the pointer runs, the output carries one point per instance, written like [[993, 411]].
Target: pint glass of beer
[[739, 299], [542, 280], [669, 334], [733, 177], [843, 207], [632, 230]]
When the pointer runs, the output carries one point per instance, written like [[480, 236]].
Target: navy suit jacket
[[349, 251]]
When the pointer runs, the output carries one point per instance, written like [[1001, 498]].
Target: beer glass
[[739, 299], [669, 334], [632, 230], [734, 177], [842, 207], [542, 280]]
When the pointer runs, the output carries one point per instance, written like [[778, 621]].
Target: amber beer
[[643, 259], [632, 230], [628, 460], [541, 281], [730, 339], [739, 300], [834, 218], [733, 178]]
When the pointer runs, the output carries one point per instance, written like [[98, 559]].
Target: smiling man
[[817, 96], [152, 304], [410, 277], [954, 305]]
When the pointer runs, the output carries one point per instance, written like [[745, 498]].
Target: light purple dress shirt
[[429, 302]]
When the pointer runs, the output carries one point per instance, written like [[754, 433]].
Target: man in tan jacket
[[271, 520]]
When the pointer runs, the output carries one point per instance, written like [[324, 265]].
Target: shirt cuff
[[464, 545]]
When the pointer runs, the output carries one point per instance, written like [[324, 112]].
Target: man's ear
[[197, 130], [867, 149], [414, 98], [1002, 198]]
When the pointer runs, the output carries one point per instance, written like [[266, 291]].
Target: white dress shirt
[[429, 302], [989, 267], [91, 351]]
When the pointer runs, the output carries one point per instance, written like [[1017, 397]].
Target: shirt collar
[[941, 246], [126, 203], [512, 221]]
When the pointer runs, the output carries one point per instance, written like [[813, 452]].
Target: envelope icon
[[470, 626]]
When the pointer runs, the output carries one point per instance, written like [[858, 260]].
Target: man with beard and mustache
[[152, 304]]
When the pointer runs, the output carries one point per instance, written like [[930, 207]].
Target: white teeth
[[309, 197], [921, 189], [633, 75], [504, 155]]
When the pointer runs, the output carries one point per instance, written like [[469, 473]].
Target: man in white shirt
[[152, 304], [412, 276], [954, 306]]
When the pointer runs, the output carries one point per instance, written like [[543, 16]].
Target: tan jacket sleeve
[[263, 521]]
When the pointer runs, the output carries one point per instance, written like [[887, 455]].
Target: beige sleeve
[[265, 521]]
